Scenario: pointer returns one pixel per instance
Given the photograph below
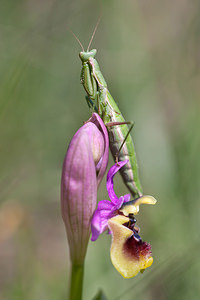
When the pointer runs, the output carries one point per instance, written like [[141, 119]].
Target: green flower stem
[[76, 284]]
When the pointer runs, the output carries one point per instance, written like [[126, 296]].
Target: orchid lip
[[129, 254]]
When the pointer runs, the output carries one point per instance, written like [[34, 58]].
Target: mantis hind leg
[[126, 136]]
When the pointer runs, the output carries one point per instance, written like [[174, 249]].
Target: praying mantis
[[99, 99]]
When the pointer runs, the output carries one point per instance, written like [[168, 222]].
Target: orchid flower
[[129, 254]]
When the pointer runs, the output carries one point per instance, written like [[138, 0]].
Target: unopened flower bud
[[83, 168]]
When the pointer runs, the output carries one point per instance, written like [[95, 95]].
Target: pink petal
[[113, 170]]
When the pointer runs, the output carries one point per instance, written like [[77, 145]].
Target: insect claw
[[117, 161]]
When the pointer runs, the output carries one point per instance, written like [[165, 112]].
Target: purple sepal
[[110, 184], [107, 209]]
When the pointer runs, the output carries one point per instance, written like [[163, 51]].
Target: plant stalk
[[76, 284]]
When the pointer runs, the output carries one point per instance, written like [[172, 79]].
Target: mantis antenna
[[94, 32], [77, 40]]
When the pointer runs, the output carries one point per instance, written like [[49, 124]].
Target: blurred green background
[[149, 53]]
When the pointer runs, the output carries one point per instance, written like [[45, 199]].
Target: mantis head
[[84, 56]]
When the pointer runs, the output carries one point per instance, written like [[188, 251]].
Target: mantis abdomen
[[117, 134]]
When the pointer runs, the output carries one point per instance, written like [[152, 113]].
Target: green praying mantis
[[99, 99]]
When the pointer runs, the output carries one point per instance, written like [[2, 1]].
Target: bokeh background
[[149, 53]]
